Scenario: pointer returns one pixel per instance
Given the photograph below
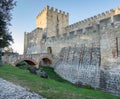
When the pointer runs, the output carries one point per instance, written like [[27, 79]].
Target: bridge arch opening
[[45, 62], [25, 62]]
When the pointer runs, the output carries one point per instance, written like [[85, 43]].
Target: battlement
[[52, 9], [45, 9], [95, 18], [61, 37], [37, 30]]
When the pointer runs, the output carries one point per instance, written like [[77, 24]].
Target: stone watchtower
[[53, 20]]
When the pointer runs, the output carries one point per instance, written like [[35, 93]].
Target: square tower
[[53, 20]]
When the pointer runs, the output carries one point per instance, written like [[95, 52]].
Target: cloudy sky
[[24, 14]]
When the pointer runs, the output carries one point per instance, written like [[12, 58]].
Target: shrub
[[88, 86], [23, 65], [38, 71], [79, 84]]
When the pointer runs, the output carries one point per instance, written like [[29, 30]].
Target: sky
[[25, 12]]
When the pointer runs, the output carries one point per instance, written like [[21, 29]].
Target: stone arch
[[45, 61], [28, 60]]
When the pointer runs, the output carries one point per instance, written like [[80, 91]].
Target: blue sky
[[24, 14]]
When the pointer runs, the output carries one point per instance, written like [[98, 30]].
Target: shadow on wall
[[45, 62], [49, 50], [29, 62], [25, 64]]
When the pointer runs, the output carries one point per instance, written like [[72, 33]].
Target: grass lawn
[[52, 88]]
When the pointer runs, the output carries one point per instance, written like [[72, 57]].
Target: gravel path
[[9, 90]]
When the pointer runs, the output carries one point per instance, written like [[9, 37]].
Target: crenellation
[[85, 20], [92, 18], [63, 12], [112, 10], [51, 9], [59, 11], [46, 8], [95, 17], [107, 12], [67, 14], [88, 19], [56, 10], [103, 14], [98, 16]]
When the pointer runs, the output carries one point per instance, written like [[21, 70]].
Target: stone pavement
[[9, 90]]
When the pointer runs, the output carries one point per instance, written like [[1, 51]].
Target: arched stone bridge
[[31, 59]]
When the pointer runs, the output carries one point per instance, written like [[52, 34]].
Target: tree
[[7, 50], [6, 39]]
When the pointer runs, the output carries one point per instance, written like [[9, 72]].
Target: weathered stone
[[31, 59], [9, 90], [42, 74]]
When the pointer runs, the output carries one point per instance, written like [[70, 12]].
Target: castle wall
[[101, 31], [110, 42], [90, 52], [25, 42], [53, 20], [41, 19], [80, 64], [110, 81], [56, 21], [34, 44], [86, 36]]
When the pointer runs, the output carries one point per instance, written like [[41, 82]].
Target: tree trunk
[[0, 56]]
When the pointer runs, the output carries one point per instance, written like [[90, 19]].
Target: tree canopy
[[6, 7]]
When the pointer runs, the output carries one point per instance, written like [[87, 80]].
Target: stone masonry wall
[[33, 42], [110, 81], [41, 19], [88, 36], [53, 20], [110, 42], [79, 64], [57, 20], [110, 56]]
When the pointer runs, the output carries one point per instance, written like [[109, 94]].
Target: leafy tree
[[7, 50], [6, 39]]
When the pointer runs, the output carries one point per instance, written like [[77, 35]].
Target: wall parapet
[[94, 19], [52, 9]]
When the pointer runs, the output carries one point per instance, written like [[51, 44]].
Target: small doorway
[[49, 50]]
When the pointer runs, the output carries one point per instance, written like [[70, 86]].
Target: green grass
[[53, 75], [51, 88]]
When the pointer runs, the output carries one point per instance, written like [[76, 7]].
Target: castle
[[87, 51]]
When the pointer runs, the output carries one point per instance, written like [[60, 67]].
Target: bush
[[88, 86], [32, 69], [23, 65], [79, 84], [38, 71]]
